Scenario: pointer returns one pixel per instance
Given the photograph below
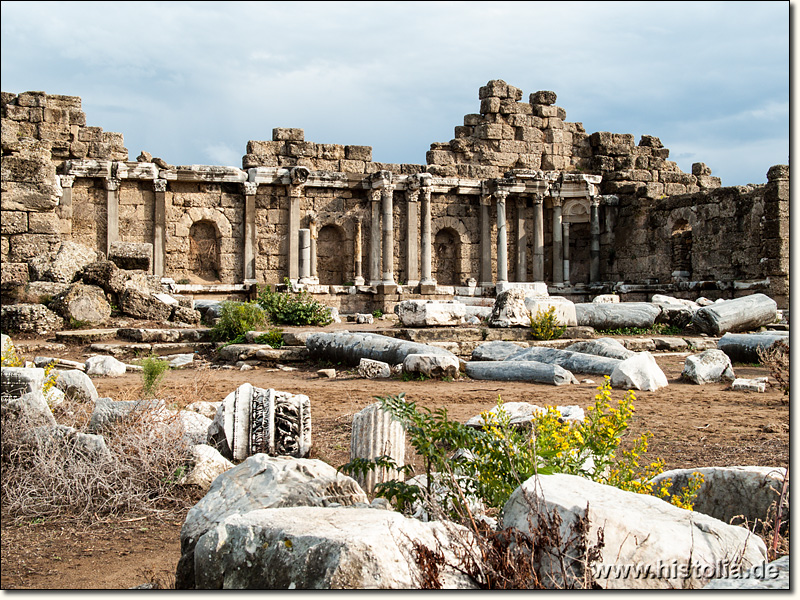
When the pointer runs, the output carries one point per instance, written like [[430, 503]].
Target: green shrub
[[544, 326], [153, 372], [377, 314], [236, 319], [274, 337], [293, 308]]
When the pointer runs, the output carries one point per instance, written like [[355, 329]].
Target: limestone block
[[772, 576], [639, 372], [430, 313], [131, 255], [637, 529], [14, 221], [104, 366], [523, 413], [64, 267], [77, 385], [85, 304], [519, 371], [496, 88], [564, 309], [376, 433], [29, 318], [252, 420], [615, 316], [750, 385], [545, 97], [208, 464], [325, 548], [90, 445], [741, 314], [287, 134], [143, 305], [106, 411], [31, 408], [13, 275], [432, 365], [15, 382], [710, 366], [261, 482], [510, 309], [358, 153], [374, 369]]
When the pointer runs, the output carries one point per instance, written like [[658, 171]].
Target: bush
[[236, 319], [544, 326], [293, 308], [153, 372], [274, 337]]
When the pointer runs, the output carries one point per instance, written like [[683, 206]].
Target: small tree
[[544, 326]]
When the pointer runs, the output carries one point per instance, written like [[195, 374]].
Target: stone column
[[538, 237], [387, 218], [249, 246], [375, 433], [427, 280], [486, 242], [594, 252], [359, 275], [558, 249], [566, 252], [64, 209], [502, 236], [312, 226], [304, 269], [521, 271], [412, 235], [375, 239], [297, 177], [112, 212], [160, 227]]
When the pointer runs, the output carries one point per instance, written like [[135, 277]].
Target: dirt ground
[[692, 426]]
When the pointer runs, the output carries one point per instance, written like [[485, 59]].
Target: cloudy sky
[[192, 82]]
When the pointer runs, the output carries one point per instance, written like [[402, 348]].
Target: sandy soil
[[692, 426]]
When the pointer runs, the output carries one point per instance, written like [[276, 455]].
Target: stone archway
[[204, 252], [331, 255]]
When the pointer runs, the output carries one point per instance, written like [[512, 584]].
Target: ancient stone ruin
[[519, 195]]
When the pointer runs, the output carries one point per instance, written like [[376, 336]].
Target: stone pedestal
[[375, 433]]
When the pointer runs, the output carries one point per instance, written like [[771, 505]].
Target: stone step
[[86, 336], [200, 334], [145, 349], [262, 352]]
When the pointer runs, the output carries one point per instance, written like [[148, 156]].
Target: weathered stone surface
[[144, 305], [76, 384], [617, 316], [132, 256], [207, 409], [15, 382], [772, 576], [510, 310], [744, 347], [519, 371], [85, 304], [606, 299], [430, 313], [13, 275], [104, 366], [522, 413], [324, 548], [350, 348], [262, 482], [432, 365], [749, 385], [195, 427], [64, 267], [731, 492], [742, 314], [106, 411], [575, 362], [374, 369], [608, 347], [564, 309], [90, 445], [31, 407], [29, 177], [637, 529], [208, 464], [498, 350], [181, 314], [253, 420], [42, 292], [29, 318], [639, 372], [376, 433], [710, 366]]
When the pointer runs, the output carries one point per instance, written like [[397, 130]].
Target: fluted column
[[486, 241], [425, 232], [594, 252], [376, 433], [249, 242], [521, 271], [412, 233], [375, 238], [558, 248], [112, 212], [566, 252], [160, 227], [387, 216], [500, 197], [538, 237]]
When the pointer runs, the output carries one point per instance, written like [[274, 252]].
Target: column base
[[427, 287], [358, 281], [387, 288]]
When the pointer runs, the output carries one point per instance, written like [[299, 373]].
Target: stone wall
[[626, 213]]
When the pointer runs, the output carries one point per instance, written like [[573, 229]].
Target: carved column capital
[[486, 199], [595, 200], [537, 198], [381, 179], [67, 181], [249, 188], [159, 185], [500, 196], [412, 195], [111, 184], [375, 195], [299, 175]]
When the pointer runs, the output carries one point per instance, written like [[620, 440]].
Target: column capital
[[595, 200], [412, 195], [500, 196], [486, 199], [299, 175], [387, 190], [537, 198], [375, 195], [381, 179], [67, 181], [159, 185], [111, 184], [249, 188]]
